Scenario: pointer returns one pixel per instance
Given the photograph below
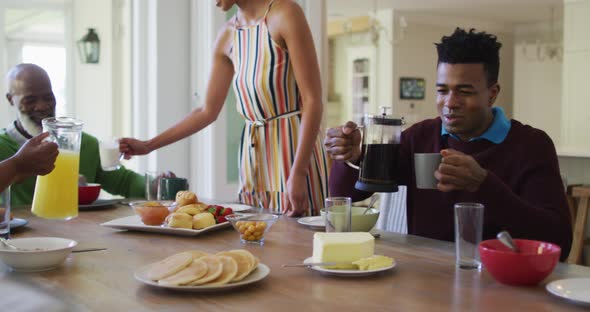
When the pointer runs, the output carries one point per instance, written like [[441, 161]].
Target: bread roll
[[203, 220], [189, 209], [180, 220], [184, 198]]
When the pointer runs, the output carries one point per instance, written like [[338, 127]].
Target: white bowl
[[361, 222], [42, 253]]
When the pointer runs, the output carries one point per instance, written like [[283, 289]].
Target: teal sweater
[[118, 182]]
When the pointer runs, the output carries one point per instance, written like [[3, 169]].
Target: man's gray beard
[[28, 125]]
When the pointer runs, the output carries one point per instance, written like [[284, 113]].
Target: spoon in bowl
[[7, 244], [505, 238], [374, 198]]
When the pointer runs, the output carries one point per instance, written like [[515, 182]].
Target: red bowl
[[535, 261], [88, 194]]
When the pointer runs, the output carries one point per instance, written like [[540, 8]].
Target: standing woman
[[266, 53]]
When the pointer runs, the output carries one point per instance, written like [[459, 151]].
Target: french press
[[380, 152]]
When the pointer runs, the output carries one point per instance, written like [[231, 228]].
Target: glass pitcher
[[56, 194], [380, 152]]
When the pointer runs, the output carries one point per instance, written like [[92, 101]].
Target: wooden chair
[[581, 195]]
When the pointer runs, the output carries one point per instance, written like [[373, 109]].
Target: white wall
[[537, 91], [6, 113], [538, 94], [93, 83], [576, 65], [161, 78], [121, 81]]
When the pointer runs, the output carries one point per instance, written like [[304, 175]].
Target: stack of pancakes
[[195, 268]]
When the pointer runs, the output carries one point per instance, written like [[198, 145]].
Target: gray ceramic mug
[[425, 165]]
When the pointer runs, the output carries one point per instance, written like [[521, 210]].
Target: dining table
[[425, 277]]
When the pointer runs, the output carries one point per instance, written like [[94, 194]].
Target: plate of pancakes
[[198, 271]]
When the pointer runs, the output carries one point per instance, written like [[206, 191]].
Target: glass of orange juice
[[56, 194]]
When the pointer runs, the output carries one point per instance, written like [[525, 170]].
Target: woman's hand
[[130, 147], [36, 157], [296, 199]]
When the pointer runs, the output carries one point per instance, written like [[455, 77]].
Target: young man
[[509, 167]]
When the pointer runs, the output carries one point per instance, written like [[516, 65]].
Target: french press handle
[[348, 163]]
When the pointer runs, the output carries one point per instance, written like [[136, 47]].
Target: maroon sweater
[[523, 192]]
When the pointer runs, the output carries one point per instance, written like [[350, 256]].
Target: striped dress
[[269, 100]]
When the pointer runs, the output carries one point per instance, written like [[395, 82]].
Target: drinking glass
[[5, 213], [468, 233], [56, 194], [170, 186], [152, 185], [338, 214]]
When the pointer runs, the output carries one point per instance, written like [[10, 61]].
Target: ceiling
[[502, 11]]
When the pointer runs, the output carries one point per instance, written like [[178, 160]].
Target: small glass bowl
[[252, 226], [151, 212]]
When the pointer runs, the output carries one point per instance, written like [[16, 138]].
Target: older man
[[29, 91], [509, 167]]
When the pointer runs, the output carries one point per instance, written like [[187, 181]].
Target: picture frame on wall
[[412, 88]]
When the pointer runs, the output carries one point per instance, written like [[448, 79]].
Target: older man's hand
[[459, 172], [343, 143]]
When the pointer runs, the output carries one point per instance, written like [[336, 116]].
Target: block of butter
[[373, 262], [342, 247]]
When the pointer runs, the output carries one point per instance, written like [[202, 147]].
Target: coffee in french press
[[380, 153]]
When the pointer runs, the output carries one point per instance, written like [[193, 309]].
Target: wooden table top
[[425, 278]]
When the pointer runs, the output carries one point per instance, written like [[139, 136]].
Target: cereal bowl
[[153, 212], [252, 226], [36, 254], [533, 263], [360, 222], [87, 194]]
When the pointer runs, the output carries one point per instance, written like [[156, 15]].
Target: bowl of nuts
[[252, 226]]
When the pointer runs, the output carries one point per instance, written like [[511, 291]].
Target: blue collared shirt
[[496, 133]]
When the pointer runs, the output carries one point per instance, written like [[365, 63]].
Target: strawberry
[[218, 211], [227, 211], [212, 210], [221, 219]]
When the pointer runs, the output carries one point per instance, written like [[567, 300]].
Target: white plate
[[258, 274], [17, 222], [134, 223], [99, 203], [236, 207], [316, 223], [348, 273], [574, 289]]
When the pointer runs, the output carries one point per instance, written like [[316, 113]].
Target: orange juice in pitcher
[[56, 194]]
